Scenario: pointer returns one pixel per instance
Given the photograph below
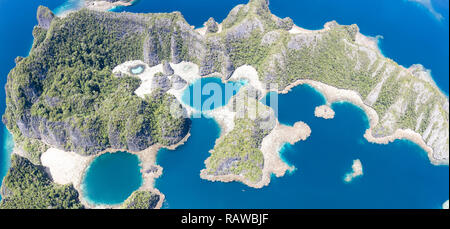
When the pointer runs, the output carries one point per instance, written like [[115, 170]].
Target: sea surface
[[397, 175], [210, 93]]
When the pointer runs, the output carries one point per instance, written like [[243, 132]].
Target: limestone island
[[357, 171], [97, 81], [324, 111]]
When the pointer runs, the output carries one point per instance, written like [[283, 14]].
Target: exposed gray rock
[[152, 169], [141, 140], [52, 101], [226, 165], [45, 17], [270, 37], [151, 52], [18, 59], [213, 55], [167, 69], [244, 29], [161, 82], [57, 134], [178, 82], [149, 203], [171, 133], [285, 23], [211, 26], [301, 40], [228, 68], [233, 15]]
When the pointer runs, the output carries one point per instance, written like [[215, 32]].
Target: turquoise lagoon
[[111, 178], [210, 93], [397, 175], [137, 70]]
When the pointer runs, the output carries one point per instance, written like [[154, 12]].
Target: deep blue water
[[111, 178], [398, 175], [411, 34], [210, 93], [17, 19], [196, 12], [395, 175]]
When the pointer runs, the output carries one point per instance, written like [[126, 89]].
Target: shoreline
[[324, 111], [333, 95], [357, 171], [59, 163], [271, 147], [273, 163], [373, 117]]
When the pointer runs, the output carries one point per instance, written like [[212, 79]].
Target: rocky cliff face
[[44, 17], [98, 41], [95, 110]]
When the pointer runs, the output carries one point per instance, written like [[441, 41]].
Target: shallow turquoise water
[[210, 93], [111, 178], [137, 70], [398, 175]]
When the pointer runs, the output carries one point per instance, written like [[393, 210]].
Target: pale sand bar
[[324, 111], [357, 170]]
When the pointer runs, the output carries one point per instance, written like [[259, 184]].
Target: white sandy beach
[[69, 168]]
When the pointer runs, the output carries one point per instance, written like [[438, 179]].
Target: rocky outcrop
[[167, 69], [161, 82], [212, 56], [251, 35], [178, 82], [211, 26], [171, 38], [45, 17], [59, 134], [142, 200], [285, 23]]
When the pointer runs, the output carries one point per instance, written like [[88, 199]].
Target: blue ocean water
[[398, 175], [395, 175], [196, 12], [411, 33], [17, 19], [111, 178], [210, 93]]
